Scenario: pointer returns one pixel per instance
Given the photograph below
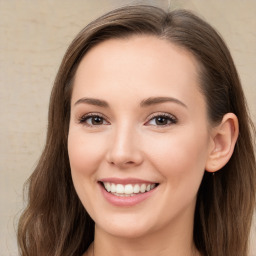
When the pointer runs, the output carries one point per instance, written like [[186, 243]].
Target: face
[[139, 136]]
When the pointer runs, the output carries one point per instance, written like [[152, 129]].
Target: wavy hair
[[55, 222]]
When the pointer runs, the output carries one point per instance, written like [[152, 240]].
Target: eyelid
[[171, 117], [82, 119]]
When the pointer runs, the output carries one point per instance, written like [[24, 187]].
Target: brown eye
[[96, 120], [93, 120], [162, 120]]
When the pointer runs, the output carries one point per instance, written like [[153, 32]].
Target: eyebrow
[[158, 100], [95, 102], [145, 103]]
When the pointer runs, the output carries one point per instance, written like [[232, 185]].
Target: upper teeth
[[128, 189]]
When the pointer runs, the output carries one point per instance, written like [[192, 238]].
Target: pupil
[[97, 120], [161, 120]]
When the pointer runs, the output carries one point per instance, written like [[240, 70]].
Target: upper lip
[[126, 181]]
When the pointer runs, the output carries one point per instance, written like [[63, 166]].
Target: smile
[[127, 192], [128, 189]]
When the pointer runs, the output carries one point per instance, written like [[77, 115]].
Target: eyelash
[[85, 118], [168, 117]]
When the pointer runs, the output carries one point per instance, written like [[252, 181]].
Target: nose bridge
[[124, 149]]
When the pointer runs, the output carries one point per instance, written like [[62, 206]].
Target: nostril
[[130, 162], [122, 163]]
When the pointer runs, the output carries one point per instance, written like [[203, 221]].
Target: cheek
[[85, 152], [181, 157], [85, 156]]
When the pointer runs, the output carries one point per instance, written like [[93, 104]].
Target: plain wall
[[33, 38]]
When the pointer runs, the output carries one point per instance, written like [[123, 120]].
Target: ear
[[224, 138]]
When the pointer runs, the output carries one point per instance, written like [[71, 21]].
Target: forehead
[[139, 64]]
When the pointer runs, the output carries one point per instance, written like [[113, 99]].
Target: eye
[[92, 119], [162, 120]]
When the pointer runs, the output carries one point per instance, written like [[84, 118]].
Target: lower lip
[[125, 200]]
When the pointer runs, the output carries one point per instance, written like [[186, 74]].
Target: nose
[[125, 149]]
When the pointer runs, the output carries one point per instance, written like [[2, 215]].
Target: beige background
[[33, 38]]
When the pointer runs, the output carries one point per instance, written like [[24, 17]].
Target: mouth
[[127, 190]]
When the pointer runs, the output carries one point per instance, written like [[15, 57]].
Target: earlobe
[[224, 138]]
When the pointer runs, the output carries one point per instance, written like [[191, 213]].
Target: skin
[[129, 142]]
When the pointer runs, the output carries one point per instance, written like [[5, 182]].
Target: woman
[[149, 148]]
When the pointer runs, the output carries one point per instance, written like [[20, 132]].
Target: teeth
[[119, 188], [128, 189], [136, 189], [112, 188], [108, 187], [143, 188]]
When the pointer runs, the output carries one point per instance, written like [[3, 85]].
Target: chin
[[127, 229]]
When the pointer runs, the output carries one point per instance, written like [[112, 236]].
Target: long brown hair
[[55, 222]]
